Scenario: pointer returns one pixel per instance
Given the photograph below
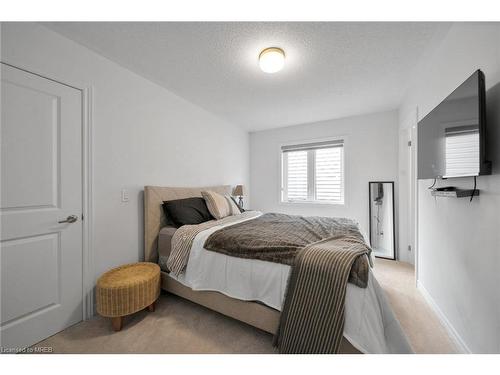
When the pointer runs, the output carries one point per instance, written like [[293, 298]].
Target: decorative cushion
[[127, 289], [186, 211], [220, 205]]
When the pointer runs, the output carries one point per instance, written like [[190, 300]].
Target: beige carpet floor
[[179, 326], [420, 324]]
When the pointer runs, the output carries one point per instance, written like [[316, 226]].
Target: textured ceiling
[[332, 69]]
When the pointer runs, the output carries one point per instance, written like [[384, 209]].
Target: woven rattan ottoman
[[127, 289]]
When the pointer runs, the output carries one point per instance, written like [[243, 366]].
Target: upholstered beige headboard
[[154, 217]]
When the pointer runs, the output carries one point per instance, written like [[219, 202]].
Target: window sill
[[313, 203]]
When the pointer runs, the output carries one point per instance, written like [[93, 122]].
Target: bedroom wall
[[370, 154], [458, 240], [143, 135]]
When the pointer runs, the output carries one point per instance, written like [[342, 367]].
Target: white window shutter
[[296, 175], [329, 175]]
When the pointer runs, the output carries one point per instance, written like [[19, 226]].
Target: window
[[313, 172]]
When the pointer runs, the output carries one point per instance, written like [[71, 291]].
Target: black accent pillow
[[186, 211]]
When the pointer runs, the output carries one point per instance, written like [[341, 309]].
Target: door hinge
[[82, 217], [409, 247], [409, 143]]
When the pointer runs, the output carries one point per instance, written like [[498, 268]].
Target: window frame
[[311, 165]]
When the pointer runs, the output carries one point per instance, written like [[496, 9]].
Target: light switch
[[125, 195]]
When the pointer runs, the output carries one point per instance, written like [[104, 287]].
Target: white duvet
[[370, 324]]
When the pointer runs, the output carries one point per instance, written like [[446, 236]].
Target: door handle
[[70, 219]]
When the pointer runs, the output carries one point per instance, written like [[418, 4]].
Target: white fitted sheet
[[370, 324]]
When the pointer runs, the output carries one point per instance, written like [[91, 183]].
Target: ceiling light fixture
[[272, 60]]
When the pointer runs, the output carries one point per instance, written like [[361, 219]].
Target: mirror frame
[[393, 218]]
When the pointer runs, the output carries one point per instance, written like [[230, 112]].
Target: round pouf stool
[[127, 289]]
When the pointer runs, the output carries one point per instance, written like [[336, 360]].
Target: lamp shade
[[239, 190]]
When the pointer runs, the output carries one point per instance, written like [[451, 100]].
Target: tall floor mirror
[[381, 206]]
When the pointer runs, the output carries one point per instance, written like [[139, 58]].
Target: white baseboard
[[458, 341]]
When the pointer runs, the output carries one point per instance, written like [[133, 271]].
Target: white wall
[[143, 135], [458, 241], [370, 155]]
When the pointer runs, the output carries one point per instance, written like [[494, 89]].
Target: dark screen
[[449, 137]]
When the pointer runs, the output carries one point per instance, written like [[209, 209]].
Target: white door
[[413, 214], [404, 253], [407, 191], [410, 193], [41, 185]]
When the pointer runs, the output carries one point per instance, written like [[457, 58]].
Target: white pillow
[[220, 205]]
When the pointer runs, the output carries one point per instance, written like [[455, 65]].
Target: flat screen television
[[452, 137]]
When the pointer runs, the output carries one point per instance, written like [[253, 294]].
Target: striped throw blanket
[[312, 319], [183, 238]]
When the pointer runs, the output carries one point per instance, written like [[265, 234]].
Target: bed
[[252, 291]]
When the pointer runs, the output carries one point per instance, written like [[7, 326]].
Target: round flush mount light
[[272, 60]]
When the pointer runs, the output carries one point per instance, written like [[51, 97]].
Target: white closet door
[[41, 184]]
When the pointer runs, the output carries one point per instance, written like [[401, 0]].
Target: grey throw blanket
[[278, 238]]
